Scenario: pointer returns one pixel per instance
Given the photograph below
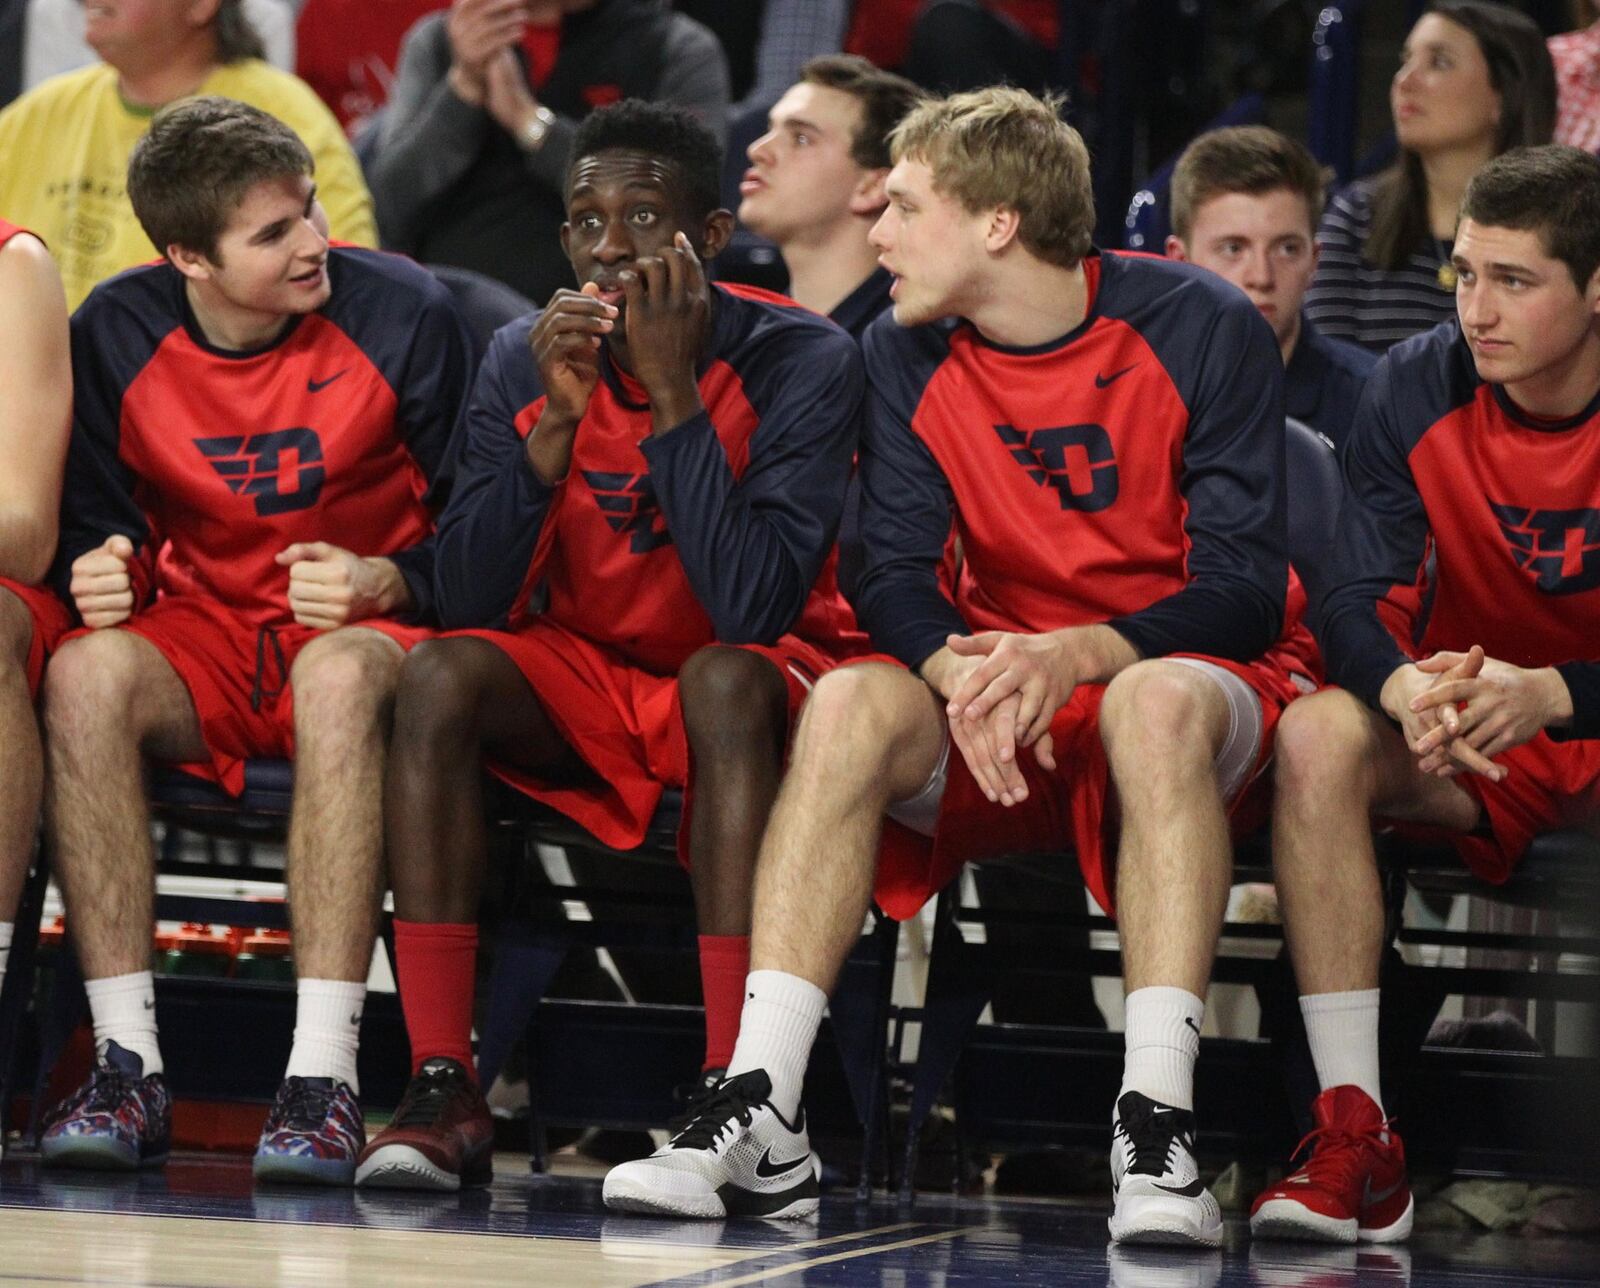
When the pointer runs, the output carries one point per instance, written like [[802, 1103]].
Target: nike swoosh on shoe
[[767, 1170]]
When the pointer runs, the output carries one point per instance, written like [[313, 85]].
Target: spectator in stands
[[815, 183], [478, 134], [258, 418], [348, 51], [1474, 475], [35, 414], [768, 42], [668, 460], [1576, 56], [53, 39], [966, 44], [1107, 523], [1244, 204], [1474, 79], [66, 144]]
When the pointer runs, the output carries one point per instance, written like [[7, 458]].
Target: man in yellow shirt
[[64, 145]]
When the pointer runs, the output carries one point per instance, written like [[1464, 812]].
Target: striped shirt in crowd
[[1353, 299]]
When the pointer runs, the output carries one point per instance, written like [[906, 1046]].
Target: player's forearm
[[1095, 653], [27, 543]]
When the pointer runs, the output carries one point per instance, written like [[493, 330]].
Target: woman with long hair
[[1475, 80]]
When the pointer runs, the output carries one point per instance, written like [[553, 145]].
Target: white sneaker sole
[[399, 1167], [1396, 1233], [624, 1195], [1149, 1220], [1286, 1219]]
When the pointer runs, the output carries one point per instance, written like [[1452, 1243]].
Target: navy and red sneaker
[[441, 1136], [312, 1135], [117, 1121], [1353, 1185]]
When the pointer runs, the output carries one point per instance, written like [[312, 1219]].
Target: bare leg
[[1162, 724], [869, 736], [1336, 764], [458, 699], [735, 712], [343, 685], [109, 699], [21, 754]]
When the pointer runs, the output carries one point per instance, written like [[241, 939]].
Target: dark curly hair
[[656, 129]]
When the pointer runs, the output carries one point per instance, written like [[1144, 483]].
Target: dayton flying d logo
[[1075, 460], [1561, 548], [282, 470], [629, 503]]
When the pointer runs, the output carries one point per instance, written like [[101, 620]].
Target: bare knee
[[1160, 713], [344, 680], [735, 705], [439, 698], [92, 686], [868, 726], [1324, 749]]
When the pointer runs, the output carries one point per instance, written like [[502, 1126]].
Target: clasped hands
[[1460, 710]]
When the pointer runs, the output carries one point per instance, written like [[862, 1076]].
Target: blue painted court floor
[[200, 1223]]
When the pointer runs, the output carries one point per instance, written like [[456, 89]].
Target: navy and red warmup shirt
[[1443, 464], [721, 529], [216, 460], [1130, 472]]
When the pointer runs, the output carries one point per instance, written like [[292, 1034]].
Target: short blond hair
[[1004, 147]]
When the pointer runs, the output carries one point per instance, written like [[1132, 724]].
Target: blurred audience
[[951, 45], [66, 143], [768, 41], [53, 38], [478, 132], [1577, 60], [1244, 205], [348, 49], [1475, 79]]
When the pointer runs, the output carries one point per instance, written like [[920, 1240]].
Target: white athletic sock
[[5, 947], [327, 1030], [1162, 1041], [776, 1029], [123, 1008], [1343, 1031]]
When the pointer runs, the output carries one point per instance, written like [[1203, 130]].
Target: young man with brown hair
[[1462, 627], [815, 183], [258, 422], [1107, 434], [1245, 204]]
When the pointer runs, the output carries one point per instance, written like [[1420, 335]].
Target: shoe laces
[[694, 1097], [105, 1090], [724, 1110], [1151, 1142], [427, 1096], [1338, 1156], [304, 1107]]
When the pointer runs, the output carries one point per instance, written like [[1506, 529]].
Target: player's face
[[932, 244], [1263, 244], [1525, 319], [801, 177], [273, 256], [1442, 97], [622, 207]]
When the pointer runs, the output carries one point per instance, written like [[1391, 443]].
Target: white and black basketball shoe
[[1155, 1184], [738, 1157]]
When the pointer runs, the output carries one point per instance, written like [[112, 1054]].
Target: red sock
[[724, 962], [437, 964]]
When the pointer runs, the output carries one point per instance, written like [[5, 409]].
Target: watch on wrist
[[534, 132]]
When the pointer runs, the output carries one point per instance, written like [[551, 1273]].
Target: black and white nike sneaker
[[1155, 1184], [738, 1157]]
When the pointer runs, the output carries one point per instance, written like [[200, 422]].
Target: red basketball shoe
[[1352, 1187]]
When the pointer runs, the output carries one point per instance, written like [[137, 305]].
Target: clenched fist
[[101, 587], [329, 587]]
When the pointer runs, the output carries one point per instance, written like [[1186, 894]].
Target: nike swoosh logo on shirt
[[767, 1170], [1192, 1190], [1101, 382], [317, 386]]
